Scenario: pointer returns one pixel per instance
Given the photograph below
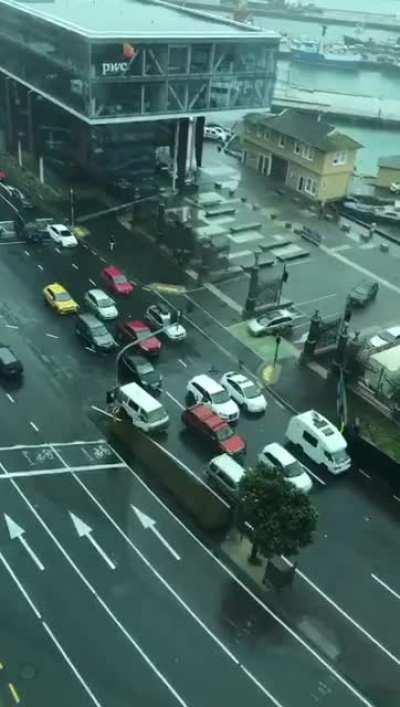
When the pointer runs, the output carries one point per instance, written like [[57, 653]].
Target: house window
[[297, 148], [340, 157], [267, 135], [260, 131], [308, 152], [310, 186], [281, 141]]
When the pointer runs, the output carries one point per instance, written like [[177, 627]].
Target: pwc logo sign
[[118, 68]]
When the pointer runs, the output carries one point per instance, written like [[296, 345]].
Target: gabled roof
[[391, 162], [309, 128]]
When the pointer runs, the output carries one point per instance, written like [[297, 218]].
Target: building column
[[182, 156], [9, 115], [199, 140]]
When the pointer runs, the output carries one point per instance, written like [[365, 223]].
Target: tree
[[283, 519]]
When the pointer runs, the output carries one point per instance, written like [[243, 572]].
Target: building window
[[308, 152], [260, 131], [281, 141], [267, 135], [340, 157], [310, 186], [297, 148]]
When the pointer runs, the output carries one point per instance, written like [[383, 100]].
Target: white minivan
[[226, 473], [144, 411], [320, 440]]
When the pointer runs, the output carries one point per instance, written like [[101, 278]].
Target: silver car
[[101, 303], [277, 321]]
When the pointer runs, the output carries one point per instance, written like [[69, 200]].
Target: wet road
[[119, 613]]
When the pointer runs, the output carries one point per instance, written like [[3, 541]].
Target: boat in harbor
[[311, 52]]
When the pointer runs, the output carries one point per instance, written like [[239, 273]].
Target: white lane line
[[103, 260], [52, 336], [40, 267], [176, 401], [296, 636], [62, 470], [74, 265], [92, 282], [71, 665], [59, 444], [261, 687], [364, 473], [26, 252], [12, 243], [35, 427], [89, 348], [10, 397], [57, 249], [182, 363], [386, 586], [396, 498], [347, 616], [92, 590], [20, 586], [155, 572], [316, 299], [106, 413], [363, 271], [11, 326], [321, 481]]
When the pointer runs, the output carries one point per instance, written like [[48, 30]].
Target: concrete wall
[[330, 168], [387, 176], [334, 186]]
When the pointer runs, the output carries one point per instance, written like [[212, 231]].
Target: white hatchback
[[100, 303], [204, 389], [244, 391], [160, 317], [61, 235], [277, 321], [277, 457]]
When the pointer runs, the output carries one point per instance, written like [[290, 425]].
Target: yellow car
[[57, 297]]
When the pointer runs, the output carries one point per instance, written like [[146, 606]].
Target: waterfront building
[[388, 171], [301, 151], [103, 84]]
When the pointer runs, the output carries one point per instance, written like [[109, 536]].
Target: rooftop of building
[[390, 162], [308, 128], [138, 19]]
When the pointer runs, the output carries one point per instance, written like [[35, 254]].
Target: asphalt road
[[104, 614]]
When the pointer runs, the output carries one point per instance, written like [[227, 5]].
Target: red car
[[116, 281], [205, 422], [135, 330], [3, 176]]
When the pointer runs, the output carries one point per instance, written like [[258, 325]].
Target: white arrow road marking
[[85, 531], [16, 532], [150, 524]]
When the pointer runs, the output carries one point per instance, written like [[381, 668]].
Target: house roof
[[391, 162], [305, 127], [138, 19]]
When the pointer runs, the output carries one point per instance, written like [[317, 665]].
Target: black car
[[364, 292], [94, 333], [10, 366], [35, 233], [142, 371]]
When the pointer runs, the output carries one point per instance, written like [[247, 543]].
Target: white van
[[226, 473], [320, 440], [145, 412]]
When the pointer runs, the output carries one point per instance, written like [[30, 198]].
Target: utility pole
[[252, 294], [277, 344], [72, 207], [284, 278]]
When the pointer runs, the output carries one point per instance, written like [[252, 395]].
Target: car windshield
[[142, 333], [105, 302], [340, 456], [221, 397], [99, 331], [224, 433], [120, 279], [6, 356], [293, 469], [62, 296], [64, 232], [156, 415], [150, 376], [251, 391]]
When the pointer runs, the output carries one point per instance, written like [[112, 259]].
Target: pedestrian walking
[[112, 244]]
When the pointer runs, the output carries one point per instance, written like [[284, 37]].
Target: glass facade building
[[178, 62]]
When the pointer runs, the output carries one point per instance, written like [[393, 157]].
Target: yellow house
[[388, 171], [300, 150]]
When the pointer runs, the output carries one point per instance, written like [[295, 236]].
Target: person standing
[[112, 244]]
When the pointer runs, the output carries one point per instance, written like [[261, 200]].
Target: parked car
[[93, 333], [160, 317], [384, 338], [274, 456], [35, 233], [135, 330], [100, 303], [226, 473], [3, 176], [62, 235], [142, 371], [116, 281], [10, 365], [16, 195], [59, 299], [202, 420], [204, 389], [216, 133], [276, 322], [244, 391], [364, 292]]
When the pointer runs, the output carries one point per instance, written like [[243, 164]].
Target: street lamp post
[[72, 207], [131, 345]]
